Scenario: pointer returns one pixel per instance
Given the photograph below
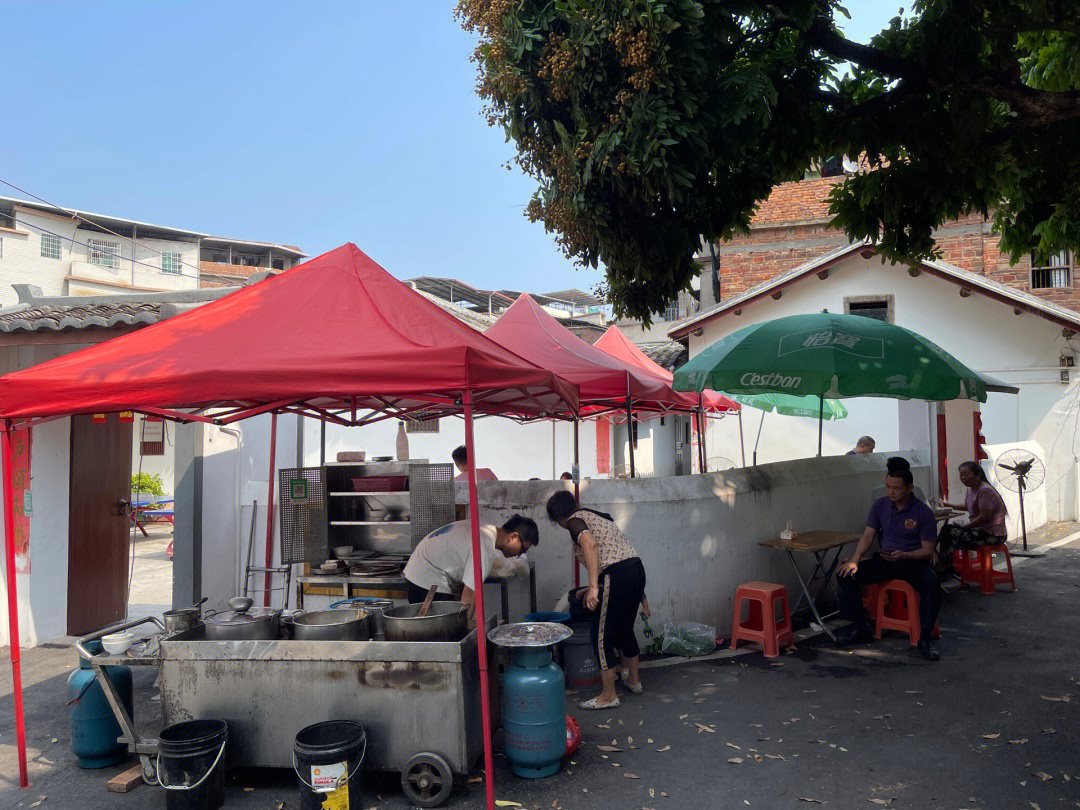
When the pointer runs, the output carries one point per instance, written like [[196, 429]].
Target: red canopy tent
[[337, 338], [606, 383], [615, 342]]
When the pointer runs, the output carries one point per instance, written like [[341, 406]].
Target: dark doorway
[[98, 525]]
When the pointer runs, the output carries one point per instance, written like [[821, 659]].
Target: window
[[422, 426], [671, 312], [103, 253], [50, 246], [1056, 272], [170, 262], [879, 307]]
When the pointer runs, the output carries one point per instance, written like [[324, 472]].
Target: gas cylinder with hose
[[94, 728]]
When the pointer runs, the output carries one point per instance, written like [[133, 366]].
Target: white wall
[[982, 333], [163, 465], [23, 263], [698, 535]]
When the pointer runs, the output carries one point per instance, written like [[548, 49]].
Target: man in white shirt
[[461, 461], [444, 557]]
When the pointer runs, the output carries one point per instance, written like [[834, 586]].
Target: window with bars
[[170, 262], [1055, 273], [880, 309], [422, 426], [103, 253], [50, 246]]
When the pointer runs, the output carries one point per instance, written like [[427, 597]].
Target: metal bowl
[[446, 621]]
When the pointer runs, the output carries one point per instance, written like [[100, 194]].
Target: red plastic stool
[[989, 577], [763, 598], [870, 594], [966, 565], [898, 609]]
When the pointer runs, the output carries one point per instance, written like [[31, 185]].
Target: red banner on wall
[[21, 448], [603, 447]]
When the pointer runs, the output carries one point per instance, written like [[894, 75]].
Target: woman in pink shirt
[[986, 511]]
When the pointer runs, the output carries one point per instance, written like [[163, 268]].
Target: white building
[[68, 252], [994, 329]]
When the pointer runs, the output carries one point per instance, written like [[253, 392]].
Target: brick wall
[[791, 228]]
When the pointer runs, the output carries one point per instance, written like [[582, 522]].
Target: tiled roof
[[796, 202], [55, 318], [666, 353]]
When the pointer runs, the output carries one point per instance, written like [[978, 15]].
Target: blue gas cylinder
[[94, 728], [534, 713]]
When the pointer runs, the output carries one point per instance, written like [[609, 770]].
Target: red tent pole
[[577, 497], [478, 581], [630, 434], [13, 604], [270, 512]]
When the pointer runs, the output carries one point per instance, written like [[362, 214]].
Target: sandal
[[593, 703], [636, 689]]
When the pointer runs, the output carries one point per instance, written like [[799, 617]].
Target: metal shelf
[[369, 523]]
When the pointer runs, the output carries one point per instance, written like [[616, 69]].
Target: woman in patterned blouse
[[616, 588]]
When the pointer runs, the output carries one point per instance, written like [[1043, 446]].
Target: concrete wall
[[984, 334], [698, 535]]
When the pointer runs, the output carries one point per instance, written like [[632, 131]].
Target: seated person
[[908, 537], [864, 445], [986, 511], [444, 558], [566, 477], [461, 461]]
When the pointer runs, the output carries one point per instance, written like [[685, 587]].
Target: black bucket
[[327, 758], [190, 764]]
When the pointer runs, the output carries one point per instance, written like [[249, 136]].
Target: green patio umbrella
[[789, 405], [830, 356]]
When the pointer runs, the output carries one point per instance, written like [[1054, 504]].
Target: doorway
[[98, 522]]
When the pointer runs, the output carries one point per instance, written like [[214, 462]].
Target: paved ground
[[993, 725], [151, 579]]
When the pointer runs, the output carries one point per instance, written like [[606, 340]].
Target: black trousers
[[622, 585], [917, 573], [418, 594]]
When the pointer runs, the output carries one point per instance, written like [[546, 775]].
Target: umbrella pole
[[478, 580], [576, 474], [270, 513], [13, 605], [699, 418], [758, 439], [820, 421], [630, 434], [742, 443], [322, 442]]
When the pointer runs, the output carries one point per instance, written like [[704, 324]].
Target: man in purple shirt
[[908, 536]]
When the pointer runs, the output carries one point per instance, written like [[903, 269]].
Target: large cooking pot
[[445, 621], [253, 624], [374, 605], [331, 625]]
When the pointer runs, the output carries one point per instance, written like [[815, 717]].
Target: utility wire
[[78, 216]]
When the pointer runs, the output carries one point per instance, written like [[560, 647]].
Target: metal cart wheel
[[149, 770], [427, 780]]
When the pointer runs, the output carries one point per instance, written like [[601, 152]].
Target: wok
[[446, 621]]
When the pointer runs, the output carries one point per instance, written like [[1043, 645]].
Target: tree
[[650, 125]]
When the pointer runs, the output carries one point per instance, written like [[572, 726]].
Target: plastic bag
[[688, 638]]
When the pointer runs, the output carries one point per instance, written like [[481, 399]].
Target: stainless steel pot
[[446, 621], [331, 625], [254, 624], [374, 605], [180, 619]]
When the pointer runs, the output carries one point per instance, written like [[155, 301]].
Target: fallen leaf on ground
[[248, 790], [700, 700], [914, 691], [662, 750], [608, 748], [991, 736], [774, 756], [615, 765], [736, 760], [1018, 742], [880, 801], [683, 716], [555, 803], [630, 775], [758, 758], [602, 725], [702, 727], [614, 742], [1062, 699], [1035, 805], [811, 801], [1048, 731], [733, 745], [506, 803], [663, 795], [650, 740], [476, 779], [652, 793], [1042, 775]]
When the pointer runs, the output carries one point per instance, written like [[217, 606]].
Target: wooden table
[[819, 544]]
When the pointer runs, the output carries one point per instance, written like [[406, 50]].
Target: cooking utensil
[[241, 603], [424, 608], [374, 605], [254, 624], [178, 620], [446, 621], [332, 625]]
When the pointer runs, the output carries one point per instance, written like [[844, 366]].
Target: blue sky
[[310, 123]]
